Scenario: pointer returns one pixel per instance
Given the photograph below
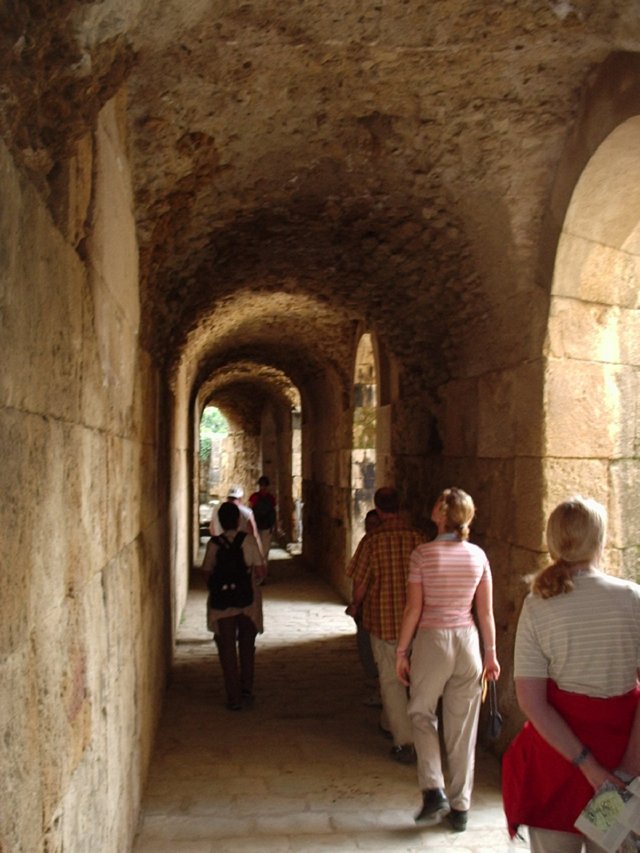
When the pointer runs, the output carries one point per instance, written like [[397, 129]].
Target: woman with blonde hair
[[447, 578], [577, 667]]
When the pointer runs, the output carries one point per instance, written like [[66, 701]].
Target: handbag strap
[[493, 697]]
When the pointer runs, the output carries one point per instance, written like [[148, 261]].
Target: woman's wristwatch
[[577, 761]]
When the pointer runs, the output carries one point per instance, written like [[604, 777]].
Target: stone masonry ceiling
[[294, 333], [274, 382], [241, 390], [359, 158]]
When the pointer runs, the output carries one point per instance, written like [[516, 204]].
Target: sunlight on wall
[[593, 345], [363, 454]]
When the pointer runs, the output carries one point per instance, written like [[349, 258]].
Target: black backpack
[[230, 581], [264, 512]]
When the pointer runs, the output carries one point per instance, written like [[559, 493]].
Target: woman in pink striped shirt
[[447, 577]]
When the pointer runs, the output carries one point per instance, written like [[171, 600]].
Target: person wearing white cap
[[247, 522]]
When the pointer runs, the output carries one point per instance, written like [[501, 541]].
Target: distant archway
[[212, 462], [363, 453]]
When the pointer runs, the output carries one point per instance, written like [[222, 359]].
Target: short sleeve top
[[381, 563], [450, 572], [586, 640]]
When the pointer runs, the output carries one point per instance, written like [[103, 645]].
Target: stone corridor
[[307, 768], [393, 243]]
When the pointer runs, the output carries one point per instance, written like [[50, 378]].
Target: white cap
[[235, 492]]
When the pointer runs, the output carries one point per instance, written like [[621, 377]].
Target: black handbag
[[494, 719]]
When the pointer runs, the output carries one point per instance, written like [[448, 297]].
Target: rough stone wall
[[82, 594], [183, 469], [486, 440], [277, 464], [326, 466]]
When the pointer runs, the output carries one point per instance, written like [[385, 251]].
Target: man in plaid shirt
[[379, 570]]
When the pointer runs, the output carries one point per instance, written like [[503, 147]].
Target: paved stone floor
[[306, 769]]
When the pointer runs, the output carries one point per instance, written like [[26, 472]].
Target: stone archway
[[592, 354], [262, 406], [363, 452]]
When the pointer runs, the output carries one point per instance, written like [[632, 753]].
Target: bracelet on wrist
[[401, 652], [577, 761]]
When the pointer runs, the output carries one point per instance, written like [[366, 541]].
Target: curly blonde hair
[[575, 534]]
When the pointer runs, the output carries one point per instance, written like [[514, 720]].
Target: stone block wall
[[83, 614], [277, 464], [326, 492], [489, 431]]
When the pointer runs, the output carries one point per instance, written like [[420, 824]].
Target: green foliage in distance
[[212, 422], [364, 428]]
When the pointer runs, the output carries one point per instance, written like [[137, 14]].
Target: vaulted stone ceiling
[[243, 389], [341, 160]]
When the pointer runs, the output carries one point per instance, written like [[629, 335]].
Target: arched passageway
[[263, 408], [593, 362], [365, 437], [214, 205]]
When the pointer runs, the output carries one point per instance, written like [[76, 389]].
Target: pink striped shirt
[[450, 572]]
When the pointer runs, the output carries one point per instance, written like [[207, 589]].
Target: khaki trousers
[[393, 694], [446, 662], [265, 543]]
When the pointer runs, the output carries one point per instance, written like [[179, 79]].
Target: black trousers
[[237, 662]]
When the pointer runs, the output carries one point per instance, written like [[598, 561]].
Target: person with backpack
[[234, 566], [263, 505]]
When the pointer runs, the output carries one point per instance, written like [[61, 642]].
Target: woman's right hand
[[491, 666]]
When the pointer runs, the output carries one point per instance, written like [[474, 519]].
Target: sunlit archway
[[212, 461], [363, 454], [593, 359]]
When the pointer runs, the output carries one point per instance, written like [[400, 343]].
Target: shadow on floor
[[305, 769]]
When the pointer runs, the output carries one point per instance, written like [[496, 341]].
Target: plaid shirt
[[381, 563]]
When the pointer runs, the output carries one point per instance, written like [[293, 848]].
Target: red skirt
[[540, 787]]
